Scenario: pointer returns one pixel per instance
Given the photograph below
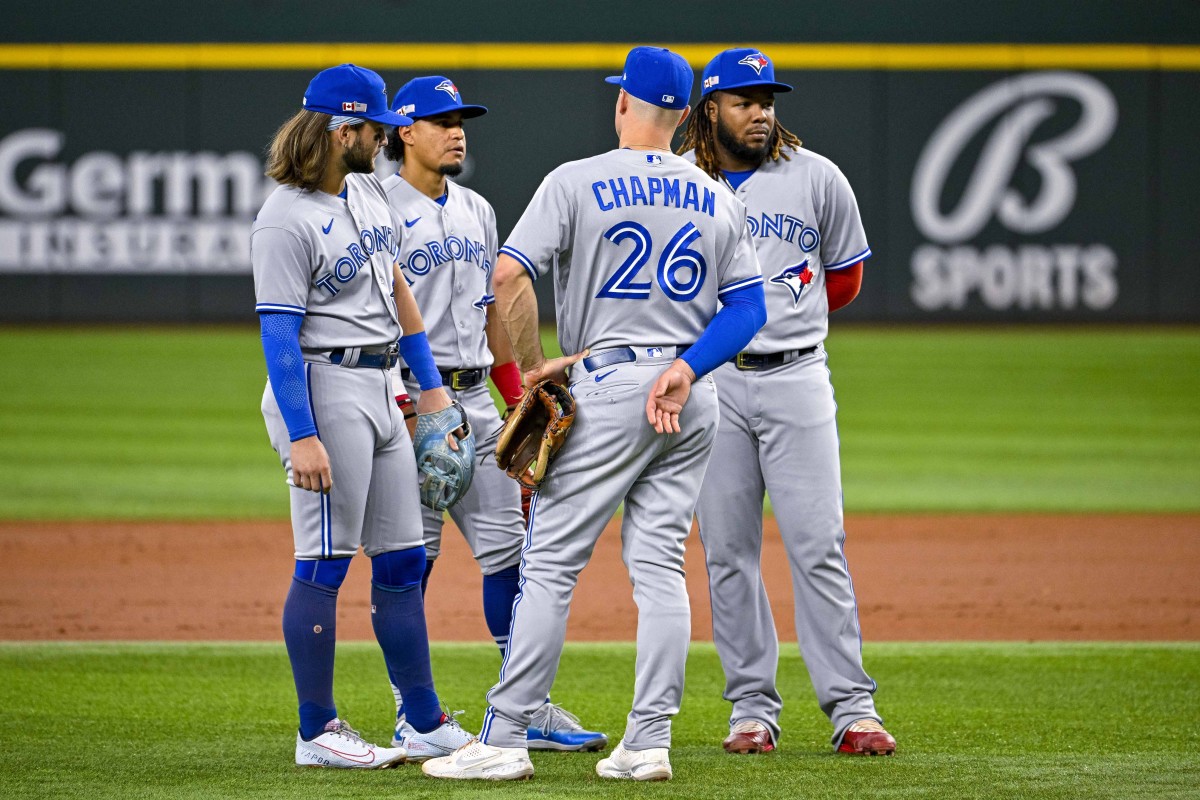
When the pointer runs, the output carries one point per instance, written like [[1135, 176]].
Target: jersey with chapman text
[[642, 245], [329, 259], [446, 255], [804, 220]]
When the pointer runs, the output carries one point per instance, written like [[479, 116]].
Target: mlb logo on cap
[[740, 68]]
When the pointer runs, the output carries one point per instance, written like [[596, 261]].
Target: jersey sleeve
[[282, 271], [741, 269], [544, 229], [491, 240], [843, 240]]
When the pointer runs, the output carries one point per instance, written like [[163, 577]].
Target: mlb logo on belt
[[653, 352], [355, 106]]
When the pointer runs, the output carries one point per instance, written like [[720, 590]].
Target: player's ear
[[687, 110], [710, 107]]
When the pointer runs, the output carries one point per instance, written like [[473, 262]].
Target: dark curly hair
[[701, 136]]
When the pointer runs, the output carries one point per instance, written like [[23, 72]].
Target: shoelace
[[345, 730], [559, 714], [867, 726]]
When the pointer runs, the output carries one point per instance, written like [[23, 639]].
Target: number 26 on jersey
[[680, 272]]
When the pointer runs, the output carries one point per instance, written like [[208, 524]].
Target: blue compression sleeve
[[285, 368], [742, 313], [415, 349]]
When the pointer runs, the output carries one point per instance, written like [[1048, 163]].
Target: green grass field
[[163, 423], [973, 721]]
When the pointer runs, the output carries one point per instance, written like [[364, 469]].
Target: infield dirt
[[917, 578]]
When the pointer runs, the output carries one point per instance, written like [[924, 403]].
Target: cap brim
[[614, 79], [389, 118], [468, 112], [778, 88]]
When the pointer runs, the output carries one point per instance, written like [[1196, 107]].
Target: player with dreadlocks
[[777, 432]]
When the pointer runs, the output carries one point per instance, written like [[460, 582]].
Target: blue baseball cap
[[740, 68], [656, 75], [350, 91], [430, 96]]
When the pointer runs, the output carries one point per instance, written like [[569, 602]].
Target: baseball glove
[[534, 432], [444, 474]]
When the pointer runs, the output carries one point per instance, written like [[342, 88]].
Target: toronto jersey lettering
[[804, 221], [641, 244], [329, 259], [447, 256]]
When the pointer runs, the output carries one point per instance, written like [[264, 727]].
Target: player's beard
[[739, 149], [360, 157], [451, 170]]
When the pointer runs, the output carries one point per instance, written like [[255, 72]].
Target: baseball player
[[641, 245], [778, 433], [332, 308], [446, 257]]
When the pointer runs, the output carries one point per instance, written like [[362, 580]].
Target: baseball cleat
[[476, 761], [867, 737], [636, 765], [554, 728], [749, 736], [339, 746], [441, 741]]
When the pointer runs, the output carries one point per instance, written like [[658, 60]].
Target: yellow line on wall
[[452, 56]]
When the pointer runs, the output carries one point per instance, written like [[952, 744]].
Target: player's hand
[[669, 395], [310, 465], [433, 400], [554, 369]]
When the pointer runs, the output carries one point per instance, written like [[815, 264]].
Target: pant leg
[[657, 521], [489, 514], [803, 475], [730, 513]]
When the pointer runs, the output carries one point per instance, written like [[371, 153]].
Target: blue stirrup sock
[[310, 632], [398, 616], [499, 591]]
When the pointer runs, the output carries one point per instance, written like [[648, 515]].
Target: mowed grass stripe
[[163, 423], [972, 720]]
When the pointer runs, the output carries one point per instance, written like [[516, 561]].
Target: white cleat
[[477, 761], [339, 746], [441, 741], [636, 765]]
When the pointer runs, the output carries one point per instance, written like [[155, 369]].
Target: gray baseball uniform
[[447, 256], [641, 245], [778, 434], [331, 259]]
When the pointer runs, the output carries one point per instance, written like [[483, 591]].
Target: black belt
[[457, 379], [756, 361], [384, 360], [621, 355]]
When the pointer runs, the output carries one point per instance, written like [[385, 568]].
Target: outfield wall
[[1011, 164]]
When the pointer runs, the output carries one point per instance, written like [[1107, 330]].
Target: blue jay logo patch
[[756, 62], [449, 88], [795, 278]]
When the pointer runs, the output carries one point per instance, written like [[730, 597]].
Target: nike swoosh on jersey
[[604, 375], [327, 228], [408, 224]]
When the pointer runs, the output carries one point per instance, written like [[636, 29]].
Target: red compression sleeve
[[842, 285], [508, 382]]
